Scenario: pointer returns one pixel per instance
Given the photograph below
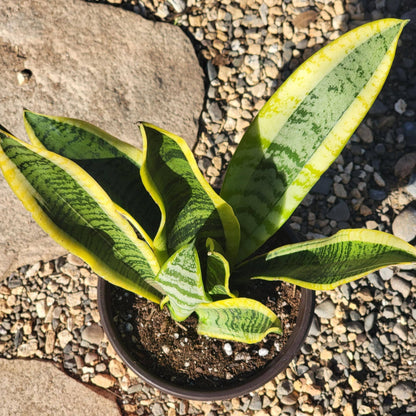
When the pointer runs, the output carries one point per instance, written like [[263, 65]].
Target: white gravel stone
[[228, 348]]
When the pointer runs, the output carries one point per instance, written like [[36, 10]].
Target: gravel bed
[[360, 356]]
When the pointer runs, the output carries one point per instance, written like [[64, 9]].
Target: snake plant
[[149, 222]]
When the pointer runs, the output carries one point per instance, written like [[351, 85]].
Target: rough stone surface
[[22, 396], [106, 65]]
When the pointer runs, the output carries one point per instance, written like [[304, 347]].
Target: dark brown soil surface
[[177, 353]]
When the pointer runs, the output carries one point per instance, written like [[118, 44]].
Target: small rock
[[300, 3], [289, 400], [228, 348], [365, 133], [215, 112], [91, 358], [400, 285], [157, 410], [24, 76], [93, 334], [41, 308], [50, 341], [400, 106], [340, 22], [354, 383], [378, 108], [369, 321], [401, 331], [339, 212], [103, 380], [178, 5], [411, 186], [403, 390], [284, 388], [315, 329], [323, 186], [405, 165], [326, 309], [364, 410], [263, 352], [304, 19], [377, 194], [73, 299], [64, 338], [376, 348], [386, 273], [28, 349], [116, 368], [355, 327], [339, 190], [75, 260], [409, 128], [100, 368], [404, 225], [255, 403], [379, 180]]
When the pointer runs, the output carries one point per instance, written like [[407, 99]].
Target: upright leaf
[[190, 207], [218, 274], [329, 262], [74, 210], [180, 279], [237, 319], [303, 128], [114, 164]]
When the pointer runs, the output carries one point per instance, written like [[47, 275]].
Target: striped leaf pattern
[[190, 207], [180, 279], [303, 128], [237, 319], [329, 262], [218, 275], [72, 208], [114, 164]]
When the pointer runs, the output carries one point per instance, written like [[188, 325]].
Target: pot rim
[[261, 377]]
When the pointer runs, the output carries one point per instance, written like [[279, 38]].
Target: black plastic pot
[[271, 370], [306, 309]]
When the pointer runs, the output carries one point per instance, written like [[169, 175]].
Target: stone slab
[[30, 387], [95, 62]]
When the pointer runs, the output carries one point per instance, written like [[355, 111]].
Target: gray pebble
[[378, 108], [215, 112], [342, 360], [409, 128], [255, 403], [93, 334], [326, 309], [401, 331], [403, 390], [400, 285], [386, 273], [14, 282], [346, 290], [339, 212], [411, 186], [157, 410], [355, 327], [315, 329], [369, 321], [377, 194], [404, 225], [323, 186], [376, 348], [284, 388], [376, 281]]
